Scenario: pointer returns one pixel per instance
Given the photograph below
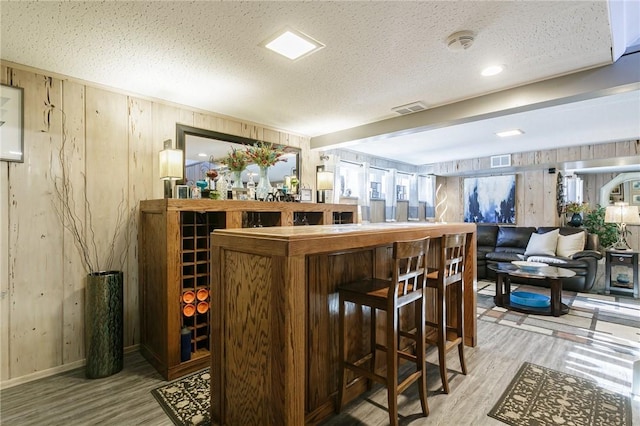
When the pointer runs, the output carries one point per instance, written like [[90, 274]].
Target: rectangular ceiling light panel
[[292, 44]]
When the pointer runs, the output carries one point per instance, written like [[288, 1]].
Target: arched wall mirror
[[200, 146], [624, 187]]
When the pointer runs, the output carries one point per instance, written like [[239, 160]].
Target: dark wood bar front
[[274, 357]]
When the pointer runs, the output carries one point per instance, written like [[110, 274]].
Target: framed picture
[[616, 190], [240, 194], [636, 199], [181, 191], [11, 124], [306, 195], [490, 199], [635, 185]]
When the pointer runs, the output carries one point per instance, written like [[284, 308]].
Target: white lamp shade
[[171, 164], [325, 180], [622, 213]]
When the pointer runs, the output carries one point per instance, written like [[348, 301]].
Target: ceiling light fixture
[[492, 70], [292, 44], [508, 133]]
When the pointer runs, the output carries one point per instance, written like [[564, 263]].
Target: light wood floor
[[125, 398]]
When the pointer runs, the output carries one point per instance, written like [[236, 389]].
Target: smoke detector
[[461, 40]]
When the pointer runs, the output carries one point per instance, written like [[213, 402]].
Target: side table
[[625, 265]]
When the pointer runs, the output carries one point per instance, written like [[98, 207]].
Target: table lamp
[[622, 214], [324, 183], [171, 167]]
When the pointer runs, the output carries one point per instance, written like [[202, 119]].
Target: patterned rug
[[186, 400], [541, 396], [593, 319]]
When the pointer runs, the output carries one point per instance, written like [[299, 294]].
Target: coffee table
[[552, 274]]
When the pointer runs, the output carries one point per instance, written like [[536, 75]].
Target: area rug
[[541, 396], [593, 319], [186, 400]]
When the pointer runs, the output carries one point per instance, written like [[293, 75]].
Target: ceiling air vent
[[409, 108], [501, 161]]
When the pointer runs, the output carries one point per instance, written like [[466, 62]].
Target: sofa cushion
[[503, 256], [482, 252], [486, 235], [568, 245], [513, 239], [543, 244]]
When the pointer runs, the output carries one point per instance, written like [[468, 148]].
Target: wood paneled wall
[[113, 140]]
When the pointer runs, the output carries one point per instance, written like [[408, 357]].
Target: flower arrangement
[[265, 154], [574, 207], [237, 160]]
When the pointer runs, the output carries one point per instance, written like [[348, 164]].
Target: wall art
[[11, 124], [490, 199]]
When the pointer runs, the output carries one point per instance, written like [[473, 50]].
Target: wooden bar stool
[[406, 287], [449, 274]]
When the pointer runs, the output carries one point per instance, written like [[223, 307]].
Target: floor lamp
[[622, 214]]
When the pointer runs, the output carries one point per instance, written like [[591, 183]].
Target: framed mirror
[[202, 147]]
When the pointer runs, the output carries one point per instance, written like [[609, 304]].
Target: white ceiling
[[378, 55]]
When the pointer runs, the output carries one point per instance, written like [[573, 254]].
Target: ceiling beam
[[619, 77]]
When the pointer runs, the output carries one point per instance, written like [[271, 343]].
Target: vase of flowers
[[236, 162], [264, 155], [576, 209]]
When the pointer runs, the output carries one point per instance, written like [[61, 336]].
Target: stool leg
[[442, 339], [421, 349], [392, 366], [343, 354], [460, 326], [372, 345]]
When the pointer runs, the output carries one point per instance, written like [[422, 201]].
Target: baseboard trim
[[6, 384]]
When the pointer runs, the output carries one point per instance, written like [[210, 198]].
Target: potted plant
[[594, 224]]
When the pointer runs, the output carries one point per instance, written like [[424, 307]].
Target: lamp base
[[621, 246], [622, 243], [168, 189]]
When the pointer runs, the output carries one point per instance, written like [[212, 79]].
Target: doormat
[[186, 400], [542, 396]]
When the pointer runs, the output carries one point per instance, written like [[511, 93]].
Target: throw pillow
[[543, 244], [568, 245]]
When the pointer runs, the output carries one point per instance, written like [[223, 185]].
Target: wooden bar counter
[[274, 332]]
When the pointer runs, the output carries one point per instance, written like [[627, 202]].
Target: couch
[[504, 243]]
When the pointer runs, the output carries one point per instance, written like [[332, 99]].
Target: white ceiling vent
[[501, 161], [409, 108], [462, 40]]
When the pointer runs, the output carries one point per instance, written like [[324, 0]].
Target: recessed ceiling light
[[492, 70], [292, 44], [202, 154], [508, 133]]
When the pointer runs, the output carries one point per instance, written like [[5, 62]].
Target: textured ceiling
[[378, 55]]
